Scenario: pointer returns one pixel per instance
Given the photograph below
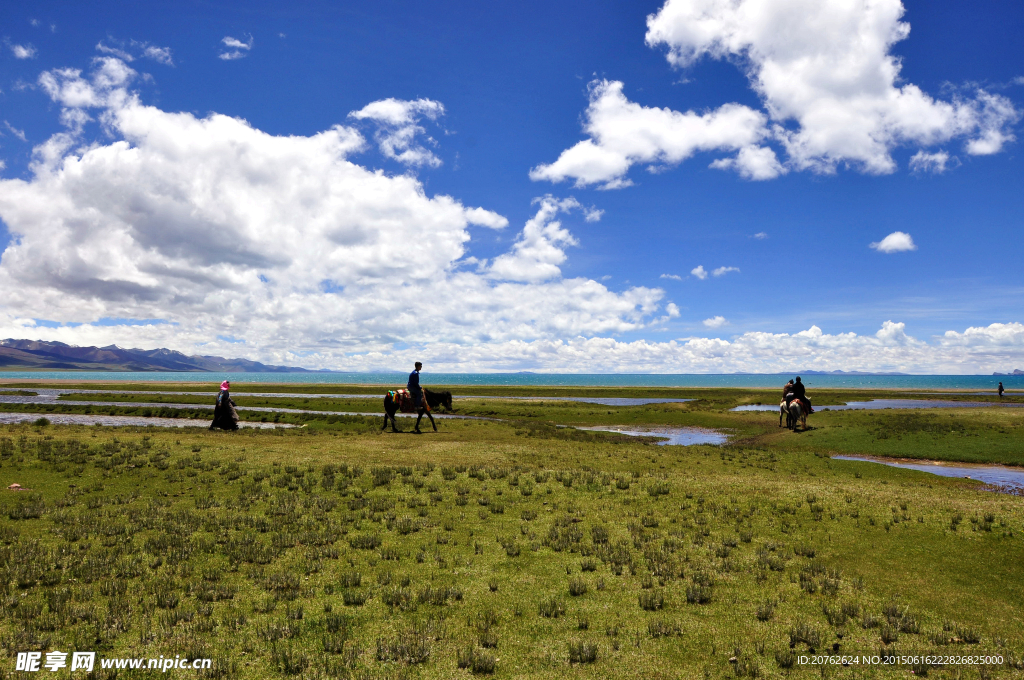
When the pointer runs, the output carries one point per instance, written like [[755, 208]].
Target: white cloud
[[539, 250], [825, 69], [114, 51], [828, 81], [486, 218], [240, 49], [624, 133], [760, 236], [283, 241], [715, 322], [158, 54], [752, 162], [127, 50], [896, 242], [672, 310], [674, 277], [592, 214], [699, 272], [23, 51], [20, 134], [722, 271], [398, 125], [929, 162]]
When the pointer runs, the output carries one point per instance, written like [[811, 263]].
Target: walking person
[[1001, 390], [225, 417]]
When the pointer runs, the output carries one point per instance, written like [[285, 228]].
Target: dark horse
[[433, 399]]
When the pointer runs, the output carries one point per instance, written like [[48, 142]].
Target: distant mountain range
[[28, 355], [1016, 371]]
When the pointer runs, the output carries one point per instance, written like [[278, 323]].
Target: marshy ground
[[511, 547]]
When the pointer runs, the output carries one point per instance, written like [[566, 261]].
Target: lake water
[[672, 436], [946, 382], [1009, 479]]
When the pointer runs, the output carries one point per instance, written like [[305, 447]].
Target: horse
[[794, 412], [405, 404]]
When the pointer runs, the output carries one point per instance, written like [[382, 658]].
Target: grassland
[[513, 547]]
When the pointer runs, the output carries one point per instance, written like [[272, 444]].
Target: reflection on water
[[1009, 479], [883, 403], [671, 436], [120, 421]]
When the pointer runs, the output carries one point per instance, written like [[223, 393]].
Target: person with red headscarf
[[225, 417]]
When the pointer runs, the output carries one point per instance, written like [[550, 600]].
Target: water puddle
[[1008, 479], [670, 436], [883, 404], [122, 421]]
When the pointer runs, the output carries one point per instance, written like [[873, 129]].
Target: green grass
[[512, 548]]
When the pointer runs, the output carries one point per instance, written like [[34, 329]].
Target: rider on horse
[[797, 391], [414, 386]]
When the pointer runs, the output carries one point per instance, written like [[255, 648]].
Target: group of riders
[[226, 417]]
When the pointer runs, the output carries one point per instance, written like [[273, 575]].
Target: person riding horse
[[417, 394], [414, 385], [797, 391]]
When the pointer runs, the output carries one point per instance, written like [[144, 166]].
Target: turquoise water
[[933, 382]]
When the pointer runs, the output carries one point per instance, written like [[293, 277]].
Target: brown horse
[[404, 402]]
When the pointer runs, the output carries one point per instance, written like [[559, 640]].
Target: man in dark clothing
[[417, 393], [1001, 390], [800, 392], [414, 386]]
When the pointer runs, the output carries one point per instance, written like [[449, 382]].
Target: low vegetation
[[504, 549]]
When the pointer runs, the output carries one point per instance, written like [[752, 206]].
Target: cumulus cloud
[[896, 242], [217, 228], [976, 350], [238, 49], [674, 277], [715, 322], [540, 247], [22, 51], [722, 271], [623, 133], [699, 272], [825, 69], [398, 125], [752, 162], [830, 87]]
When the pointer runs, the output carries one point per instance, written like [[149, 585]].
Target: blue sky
[[820, 164]]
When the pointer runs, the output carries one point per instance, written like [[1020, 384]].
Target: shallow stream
[[671, 436], [1008, 479]]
